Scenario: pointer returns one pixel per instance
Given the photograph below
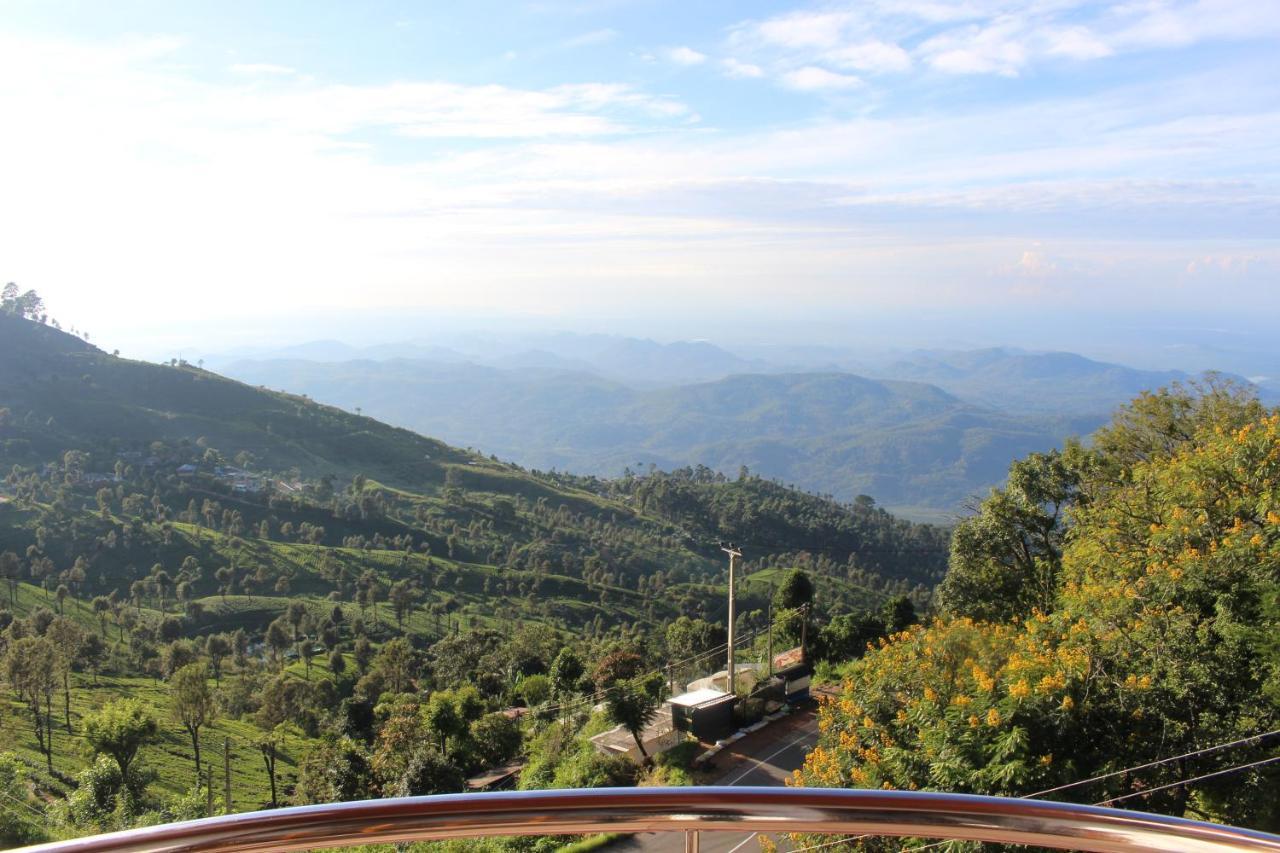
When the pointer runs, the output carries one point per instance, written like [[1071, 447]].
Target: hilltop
[[908, 444]]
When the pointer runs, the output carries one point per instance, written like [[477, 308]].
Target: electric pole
[[734, 554]]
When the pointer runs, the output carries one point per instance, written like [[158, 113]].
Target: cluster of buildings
[[705, 710]]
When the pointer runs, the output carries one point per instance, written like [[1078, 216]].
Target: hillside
[[266, 458], [906, 444], [311, 564], [1023, 382]]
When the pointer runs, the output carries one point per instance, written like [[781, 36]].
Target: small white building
[[748, 674], [659, 736]]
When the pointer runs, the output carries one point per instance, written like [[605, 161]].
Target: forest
[[219, 598], [1106, 632]]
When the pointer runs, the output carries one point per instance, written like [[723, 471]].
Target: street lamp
[[733, 552]]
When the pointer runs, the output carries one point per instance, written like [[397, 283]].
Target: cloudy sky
[[173, 167]]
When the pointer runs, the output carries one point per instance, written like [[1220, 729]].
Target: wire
[[1254, 739], [1273, 759], [595, 697], [1150, 764]]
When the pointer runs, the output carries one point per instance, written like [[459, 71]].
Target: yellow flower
[[993, 717], [930, 694], [1068, 703], [1020, 689]]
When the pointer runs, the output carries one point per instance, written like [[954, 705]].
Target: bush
[[588, 768]]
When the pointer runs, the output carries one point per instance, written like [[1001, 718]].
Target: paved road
[[763, 758]]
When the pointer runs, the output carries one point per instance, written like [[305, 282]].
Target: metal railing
[[683, 810]]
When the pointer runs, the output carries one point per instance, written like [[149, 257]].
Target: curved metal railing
[[685, 810]]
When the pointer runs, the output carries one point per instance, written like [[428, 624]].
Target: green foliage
[[587, 768], [497, 738], [1006, 560], [1162, 620], [429, 772], [633, 703], [334, 770], [119, 730], [21, 820], [795, 590]]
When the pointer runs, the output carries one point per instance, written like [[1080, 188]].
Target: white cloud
[[735, 68], [1076, 43], [804, 29], [814, 79], [871, 56], [686, 56], [1001, 37], [599, 194], [594, 37], [255, 69], [1000, 48]]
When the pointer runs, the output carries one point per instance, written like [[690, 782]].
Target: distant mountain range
[[921, 432]]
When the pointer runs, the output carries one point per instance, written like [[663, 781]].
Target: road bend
[[763, 758]]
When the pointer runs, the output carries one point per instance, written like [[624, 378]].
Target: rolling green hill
[[907, 444]]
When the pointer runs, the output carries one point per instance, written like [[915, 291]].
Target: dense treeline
[[190, 566], [1114, 605]]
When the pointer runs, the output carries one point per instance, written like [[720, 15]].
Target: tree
[[898, 614], [31, 668], [218, 648], [269, 748], [11, 572], [429, 772], [336, 770], [1163, 620], [67, 639], [535, 689], [120, 729], [337, 663], [795, 590], [443, 718], [278, 641], [496, 738], [566, 672], [403, 596], [193, 704], [1006, 559], [396, 663], [633, 703]]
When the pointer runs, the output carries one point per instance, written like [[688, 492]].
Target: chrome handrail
[[689, 810]]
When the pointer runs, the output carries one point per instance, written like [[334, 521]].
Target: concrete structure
[[659, 736], [748, 674], [496, 778], [795, 672], [707, 714]]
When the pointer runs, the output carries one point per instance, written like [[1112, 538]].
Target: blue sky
[[570, 160]]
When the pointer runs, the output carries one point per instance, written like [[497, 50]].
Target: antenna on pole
[[733, 552]]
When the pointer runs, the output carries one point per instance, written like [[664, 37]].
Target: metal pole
[[691, 841], [226, 775], [769, 618], [733, 553]]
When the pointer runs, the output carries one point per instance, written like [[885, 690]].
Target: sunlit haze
[[170, 170]]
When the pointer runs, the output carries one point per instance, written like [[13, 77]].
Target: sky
[[208, 174]]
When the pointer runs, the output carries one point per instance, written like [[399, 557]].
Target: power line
[[595, 697], [1254, 739], [1261, 762], [1194, 754]]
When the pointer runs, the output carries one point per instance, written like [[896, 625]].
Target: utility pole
[[769, 619], [734, 554], [226, 775]]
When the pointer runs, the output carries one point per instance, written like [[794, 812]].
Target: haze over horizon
[[897, 172]]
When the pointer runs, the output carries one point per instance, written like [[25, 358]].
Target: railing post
[[691, 841]]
